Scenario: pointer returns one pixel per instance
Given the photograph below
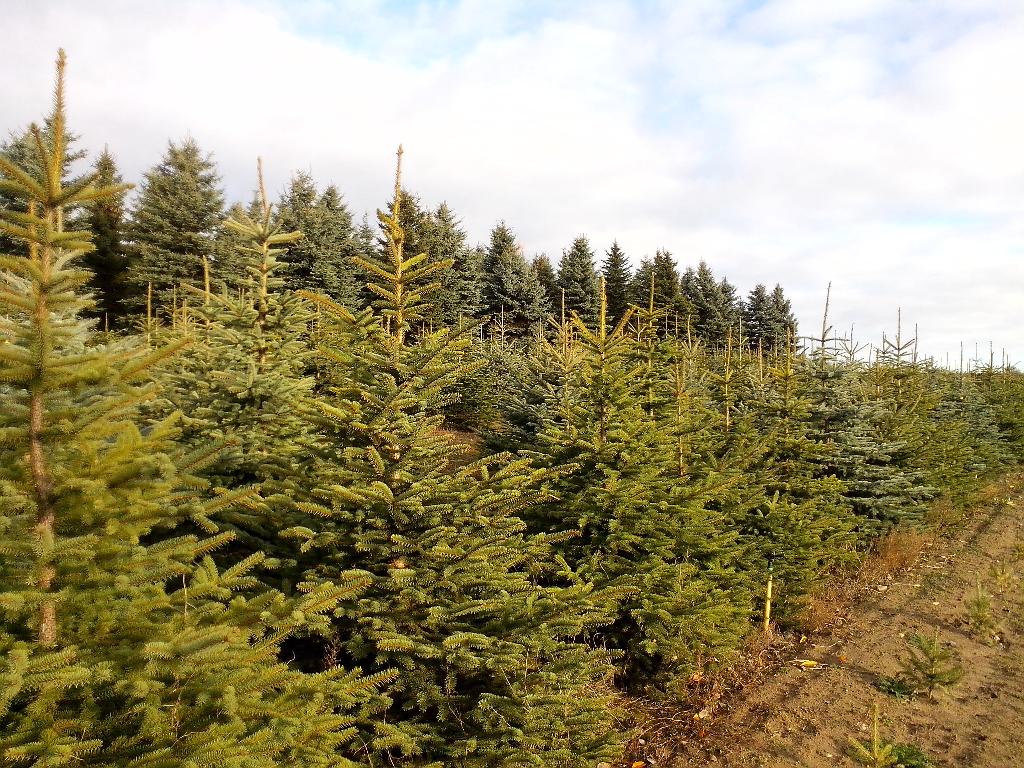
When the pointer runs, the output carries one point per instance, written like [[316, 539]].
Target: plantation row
[[278, 529]]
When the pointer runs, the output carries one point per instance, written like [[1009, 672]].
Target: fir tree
[[714, 305], [577, 277], [548, 279], [119, 645], [617, 278], [759, 320], [176, 223], [666, 282], [246, 364], [323, 260], [476, 615], [804, 527], [108, 262], [640, 285], [20, 149], [460, 287], [512, 289], [657, 556], [783, 321]]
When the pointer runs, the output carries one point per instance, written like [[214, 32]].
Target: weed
[[929, 667], [894, 553]]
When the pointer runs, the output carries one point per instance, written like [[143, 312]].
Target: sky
[[874, 144]]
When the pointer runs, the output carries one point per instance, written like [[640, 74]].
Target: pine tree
[[541, 264], [119, 645], [176, 224], [477, 616], [460, 287], [758, 325], [323, 260], [617, 277], [512, 290], [108, 262], [577, 277], [714, 305]]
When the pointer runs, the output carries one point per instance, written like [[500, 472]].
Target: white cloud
[[875, 144]]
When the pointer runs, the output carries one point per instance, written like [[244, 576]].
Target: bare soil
[[806, 717]]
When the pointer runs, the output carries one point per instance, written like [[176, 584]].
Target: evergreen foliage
[[548, 279], [714, 305], [208, 530], [666, 284], [512, 291], [108, 261], [928, 666], [617, 277], [118, 644], [246, 364], [477, 616], [459, 294], [577, 279], [322, 260], [176, 224], [656, 556]]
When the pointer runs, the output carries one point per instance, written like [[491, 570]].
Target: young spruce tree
[[476, 616], [657, 558], [119, 645]]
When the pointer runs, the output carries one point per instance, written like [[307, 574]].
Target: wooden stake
[[768, 604]]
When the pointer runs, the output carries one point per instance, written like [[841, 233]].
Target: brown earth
[[788, 717]]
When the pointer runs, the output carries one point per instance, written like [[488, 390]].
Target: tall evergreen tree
[[617, 277], [323, 260], [460, 287], [758, 319], [640, 285], [108, 262], [715, 309], [176, 223], [118, 644], [577, 277], [666, 282], [784, 321], [768, 321], [512, 289], [548, 279]]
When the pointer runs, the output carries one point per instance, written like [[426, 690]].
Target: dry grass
[[893, 554]]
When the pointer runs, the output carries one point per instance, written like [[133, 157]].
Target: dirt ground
[[805, 718]]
